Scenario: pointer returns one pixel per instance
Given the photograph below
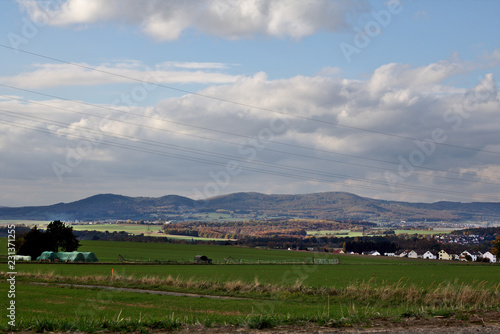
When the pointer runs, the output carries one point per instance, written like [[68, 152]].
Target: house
[[401, 253], [414, 255], [389, 254], [465, 256], [444, 255], [489, 256], [372, 253], [430, 255]]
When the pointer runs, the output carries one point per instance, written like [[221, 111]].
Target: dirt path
[[390, 328], [153, 292]]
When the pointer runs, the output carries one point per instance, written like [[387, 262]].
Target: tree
[[63, 236], [495, 250], [34, 243], [58, 236]]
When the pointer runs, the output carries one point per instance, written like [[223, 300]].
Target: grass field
[[25, 222], [358, 289], [135, 229], [129, 228]]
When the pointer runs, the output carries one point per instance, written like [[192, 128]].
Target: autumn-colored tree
[[496, 246]]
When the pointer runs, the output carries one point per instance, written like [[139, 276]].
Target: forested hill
[[330, 205]]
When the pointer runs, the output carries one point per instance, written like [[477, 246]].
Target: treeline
[[124, 236], [367, 246], [262, 228]]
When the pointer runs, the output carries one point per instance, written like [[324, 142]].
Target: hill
[[329, 205]]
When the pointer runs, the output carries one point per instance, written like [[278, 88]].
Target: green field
[[25, 222], [356, 290], [149, 230], [108, 251], [129, 228]]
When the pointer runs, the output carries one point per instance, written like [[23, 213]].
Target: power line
[[294, 176], [228, 133], [259, 108], [239, 103], [216, 155]]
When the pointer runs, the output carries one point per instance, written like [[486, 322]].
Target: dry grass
[[450, 295]]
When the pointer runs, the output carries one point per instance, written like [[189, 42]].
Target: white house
[[414, 255], [430, 255], [489, 256], [464, 254], [373, 253], [389, 254], [401, 253]]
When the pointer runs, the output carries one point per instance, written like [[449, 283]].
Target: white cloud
[[167, 19], [409, 108], [57, 75], [397, 76]]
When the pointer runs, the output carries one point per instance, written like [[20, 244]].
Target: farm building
[[202, 259], [22, 258], [68, 257], [90, 257], [47, 256]]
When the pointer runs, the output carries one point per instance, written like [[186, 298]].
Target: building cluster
[[470, 239], [441, 255]]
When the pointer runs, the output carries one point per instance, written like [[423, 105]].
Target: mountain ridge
[[325, 205]]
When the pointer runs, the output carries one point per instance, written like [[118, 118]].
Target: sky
[[394, 100]]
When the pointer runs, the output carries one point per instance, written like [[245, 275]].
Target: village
[[487, 257]]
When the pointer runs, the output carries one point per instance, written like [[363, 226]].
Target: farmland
[[149, 230], [343, 294], [25, 222]]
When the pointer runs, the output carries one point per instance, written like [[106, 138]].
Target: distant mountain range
[[329, 205]]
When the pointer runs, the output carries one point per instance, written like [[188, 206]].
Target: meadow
[[25, 222], [149, 230], [356, 291]]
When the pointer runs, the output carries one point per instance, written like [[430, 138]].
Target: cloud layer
[[168, 19], [280, 135], [82, 74]]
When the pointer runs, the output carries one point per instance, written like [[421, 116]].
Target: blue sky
[[251, 65]]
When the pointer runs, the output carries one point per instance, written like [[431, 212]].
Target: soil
[[480, 322]]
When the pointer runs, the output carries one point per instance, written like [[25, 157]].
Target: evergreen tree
[[63, 236], [35, 242]]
